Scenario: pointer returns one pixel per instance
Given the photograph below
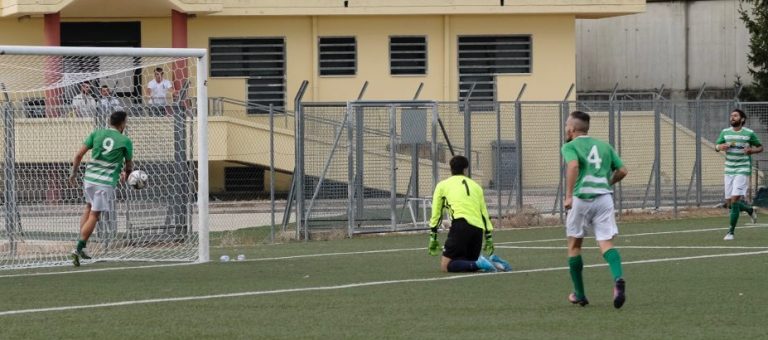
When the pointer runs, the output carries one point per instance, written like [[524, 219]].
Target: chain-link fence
[[370, 166], [252, 161], [361, 158]]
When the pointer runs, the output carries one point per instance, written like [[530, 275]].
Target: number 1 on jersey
[[594, 157]]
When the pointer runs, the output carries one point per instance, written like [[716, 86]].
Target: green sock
[[614, 262], [577, 265], [81, 244], [744, 207], [735, 211]]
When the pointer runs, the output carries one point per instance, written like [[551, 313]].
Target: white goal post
[[51, 99]]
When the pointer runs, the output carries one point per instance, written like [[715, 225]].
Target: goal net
[[51, 99]]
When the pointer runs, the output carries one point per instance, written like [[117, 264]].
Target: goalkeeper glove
[[489, 244], [434, 244]]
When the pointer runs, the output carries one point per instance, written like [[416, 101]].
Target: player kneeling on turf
[[469, 224]]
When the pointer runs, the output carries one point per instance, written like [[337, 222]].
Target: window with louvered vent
[[408, 55], [260, 60], [482, 57], [338, 56]]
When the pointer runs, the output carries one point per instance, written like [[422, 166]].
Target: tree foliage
[[755, 17]]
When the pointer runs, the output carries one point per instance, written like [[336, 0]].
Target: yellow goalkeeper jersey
[[463, 198]]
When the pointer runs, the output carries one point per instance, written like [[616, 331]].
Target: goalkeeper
[[110, 149], [470, 223]]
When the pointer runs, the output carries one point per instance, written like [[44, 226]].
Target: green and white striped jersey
[[597, 162], [736, 162], [110, 149]]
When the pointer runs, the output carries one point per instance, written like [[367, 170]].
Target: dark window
[[338, 56], [482, 57], [103, 34], [261, 60], [407, 55], [244, 179]]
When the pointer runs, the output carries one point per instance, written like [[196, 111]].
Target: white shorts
[[735, 185], [592, 217], [101, 197]]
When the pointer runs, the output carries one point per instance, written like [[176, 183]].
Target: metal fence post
[[497, 180], [359, 159], [12, 223], [674, 159], [272, 173], [393, 165], [698, 166], [468, 128], [435, 173], [351, 180], [299, 172], [611, 119], [468, 135], [619, 186], [563, 117], [519, 137], [657, 153]]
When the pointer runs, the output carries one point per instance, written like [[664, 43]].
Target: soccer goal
[[51, 98]]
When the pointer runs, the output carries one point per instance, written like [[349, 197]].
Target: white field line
[[350, 285], [637, 247], [380, 251], [100, 270], [641, 234]]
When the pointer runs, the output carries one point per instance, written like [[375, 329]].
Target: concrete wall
[[643, 51]]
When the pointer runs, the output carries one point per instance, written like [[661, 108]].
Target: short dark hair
[[458, 164], [117, 118], [741, 114], [159, 69], [583, 117]]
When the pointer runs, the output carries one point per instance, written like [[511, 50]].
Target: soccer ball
[[138, 179]]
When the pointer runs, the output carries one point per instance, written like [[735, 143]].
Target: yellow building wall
[[372, 36], [243, 139], [553, 37], [119, 8], [21, 31], [554, 59], [299, 45]]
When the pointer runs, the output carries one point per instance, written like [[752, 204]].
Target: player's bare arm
[[571, 174], [128, 169], [618, 175], [76, 164], [753, 149]]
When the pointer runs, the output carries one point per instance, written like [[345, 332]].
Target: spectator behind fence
[[84, 104], [159, 88], [107, 102]]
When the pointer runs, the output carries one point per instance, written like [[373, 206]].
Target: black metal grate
[[261, 60], [482, 57], [338, 56], [408, 55]]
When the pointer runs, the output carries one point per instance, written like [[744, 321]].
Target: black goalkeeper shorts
[[464, 241]]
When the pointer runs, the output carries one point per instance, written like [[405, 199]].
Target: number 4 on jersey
[[594, 157]]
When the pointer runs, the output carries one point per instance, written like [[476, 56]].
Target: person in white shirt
[[107, 102], [158, 89], [83, 103]]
